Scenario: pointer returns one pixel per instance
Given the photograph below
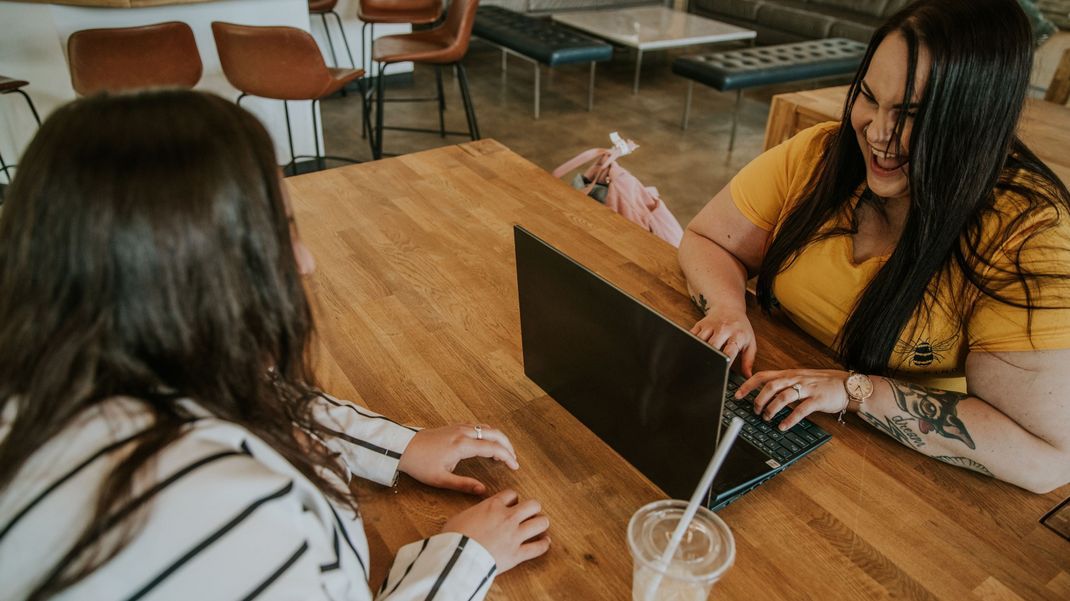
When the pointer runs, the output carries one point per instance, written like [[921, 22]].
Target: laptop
[[658, 395]]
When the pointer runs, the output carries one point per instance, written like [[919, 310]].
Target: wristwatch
[[859, 388]]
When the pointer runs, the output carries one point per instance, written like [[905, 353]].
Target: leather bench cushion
[[847, 12], [743, 9], [545, 6], [873, 8], [895, 6], [796, 20], [539, 39], [738, 69], [1057, 11], [852, 31]]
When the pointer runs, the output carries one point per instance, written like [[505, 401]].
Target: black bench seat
[[767, 65], [540, 41]]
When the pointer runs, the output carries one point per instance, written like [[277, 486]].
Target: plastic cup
[[706, 552]]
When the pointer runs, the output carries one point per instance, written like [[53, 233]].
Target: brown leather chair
[[14, 86], [324, 8], [280, 63], [446, 44], [413, 12], [127, 58]]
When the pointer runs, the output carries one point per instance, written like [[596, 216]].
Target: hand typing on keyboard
[[810, 390]]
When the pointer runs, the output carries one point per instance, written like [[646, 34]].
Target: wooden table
[[417, 314], [1045, 126]]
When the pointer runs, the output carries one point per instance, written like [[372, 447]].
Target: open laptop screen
[[645, 386]]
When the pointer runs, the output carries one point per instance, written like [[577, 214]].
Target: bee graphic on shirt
[[923, 352]]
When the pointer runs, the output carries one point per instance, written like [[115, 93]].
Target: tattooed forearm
[[898, 427], [702, 304], [934, 410], [965, 462]]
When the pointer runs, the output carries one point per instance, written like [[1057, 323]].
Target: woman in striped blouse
[[161, 435]]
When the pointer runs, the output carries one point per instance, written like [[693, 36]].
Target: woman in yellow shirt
[[922, 241]]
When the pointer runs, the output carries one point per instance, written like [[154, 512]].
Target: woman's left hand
[[433, 454], [811, 389]]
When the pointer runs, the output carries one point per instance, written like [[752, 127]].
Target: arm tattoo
[[934, 410], [898, 427], [702, 304], [965, 462]]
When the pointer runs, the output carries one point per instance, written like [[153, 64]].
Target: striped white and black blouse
[[227, 517]]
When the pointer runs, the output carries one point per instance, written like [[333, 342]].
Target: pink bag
[[625, 194]]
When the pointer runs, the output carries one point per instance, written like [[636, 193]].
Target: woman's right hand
[[731, 333], [505, 527]]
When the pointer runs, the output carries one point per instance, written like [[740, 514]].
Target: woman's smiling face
[[875, 111]]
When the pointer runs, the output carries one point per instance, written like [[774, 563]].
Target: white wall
[[34, 41]]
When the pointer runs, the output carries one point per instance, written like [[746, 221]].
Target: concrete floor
[[687, 167]]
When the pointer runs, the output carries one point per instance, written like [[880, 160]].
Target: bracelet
[[845, 406]]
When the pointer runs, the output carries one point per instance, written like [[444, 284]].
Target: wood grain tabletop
[[417, 316]]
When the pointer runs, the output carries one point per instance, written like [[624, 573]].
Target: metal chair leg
[[330, 44], [364, 88], [378, 134], [4, 168], [538, 91], [33, 109], [441, 102], [466, 97], [289, 137], [590, 89], [345, 39], [316, 138]]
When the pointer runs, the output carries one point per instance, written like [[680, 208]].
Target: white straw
[[692, 506]]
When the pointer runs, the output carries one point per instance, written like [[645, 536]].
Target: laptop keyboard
[[785, 447]]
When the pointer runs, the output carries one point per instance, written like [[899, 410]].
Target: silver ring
[[479, 432], [798, 391]]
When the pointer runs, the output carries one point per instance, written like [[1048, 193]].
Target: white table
[[652, 28]]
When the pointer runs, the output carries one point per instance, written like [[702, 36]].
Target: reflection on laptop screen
[[648, 388]]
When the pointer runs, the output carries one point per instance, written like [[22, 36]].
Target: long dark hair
[[963, 153], [145, 252]]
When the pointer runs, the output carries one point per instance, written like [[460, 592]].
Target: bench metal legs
[[638, 66], [735, 119], [380, 99], [735, 113], [538, 78], [590, 89], [687, 104]]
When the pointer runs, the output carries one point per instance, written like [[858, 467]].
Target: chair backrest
[[398, 5], [321, 6], [283, 63], [460, 17], [1059, 90], [127, 58]]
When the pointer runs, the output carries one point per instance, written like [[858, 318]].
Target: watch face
[[859, 386]]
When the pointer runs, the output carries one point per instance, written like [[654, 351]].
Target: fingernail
[[782, 427]]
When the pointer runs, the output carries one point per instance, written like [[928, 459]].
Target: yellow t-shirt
[[819, 289]]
